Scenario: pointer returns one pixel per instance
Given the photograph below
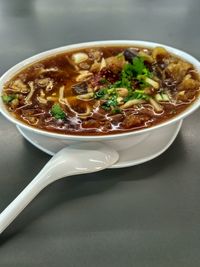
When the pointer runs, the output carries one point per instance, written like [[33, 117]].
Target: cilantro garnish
[[137, 94], [101, 93], [137, 69], [132, 73], [112, 102]]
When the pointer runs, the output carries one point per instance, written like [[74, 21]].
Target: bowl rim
[[33, 59]]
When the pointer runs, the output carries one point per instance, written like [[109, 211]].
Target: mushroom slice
[[53, 69], [46, 82], [156, 105], [94, 54], [84, 66], [130, 54], [159, 52], [43, 82], [132, 102], [80, 88], [19, 86], [83, 76], [95, 66], [71, 63], [103, 64], [86, 97], [79, 57]]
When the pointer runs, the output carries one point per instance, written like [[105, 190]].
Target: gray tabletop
[[147, 215]]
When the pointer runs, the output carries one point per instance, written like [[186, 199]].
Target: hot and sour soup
[[102, 90]]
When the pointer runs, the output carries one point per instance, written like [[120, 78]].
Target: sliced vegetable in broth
[[102, 90]]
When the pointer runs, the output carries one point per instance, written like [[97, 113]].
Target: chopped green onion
[[181, 93], [165, 97], [101, 93], [132, 102], [158, 97], [152, 82], [57, 112], [162, 97], [112, 102], [8, 98]]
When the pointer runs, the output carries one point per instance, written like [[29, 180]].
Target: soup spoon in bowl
[[79, 158]]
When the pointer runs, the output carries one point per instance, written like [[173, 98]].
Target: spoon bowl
[[80, 158]]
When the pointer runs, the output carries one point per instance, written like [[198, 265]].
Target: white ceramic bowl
[[118, 141]]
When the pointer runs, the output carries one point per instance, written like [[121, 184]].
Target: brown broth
[[48, 76]]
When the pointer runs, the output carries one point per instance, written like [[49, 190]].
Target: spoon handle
[[50, 172], [20, 202]]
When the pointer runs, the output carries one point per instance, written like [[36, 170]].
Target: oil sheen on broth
[[102, 90]]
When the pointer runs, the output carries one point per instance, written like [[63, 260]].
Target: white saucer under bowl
[[151, 147]]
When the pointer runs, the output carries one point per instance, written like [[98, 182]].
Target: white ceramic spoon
[[72, 160]]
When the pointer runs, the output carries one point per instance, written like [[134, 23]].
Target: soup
[[102, 90]]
